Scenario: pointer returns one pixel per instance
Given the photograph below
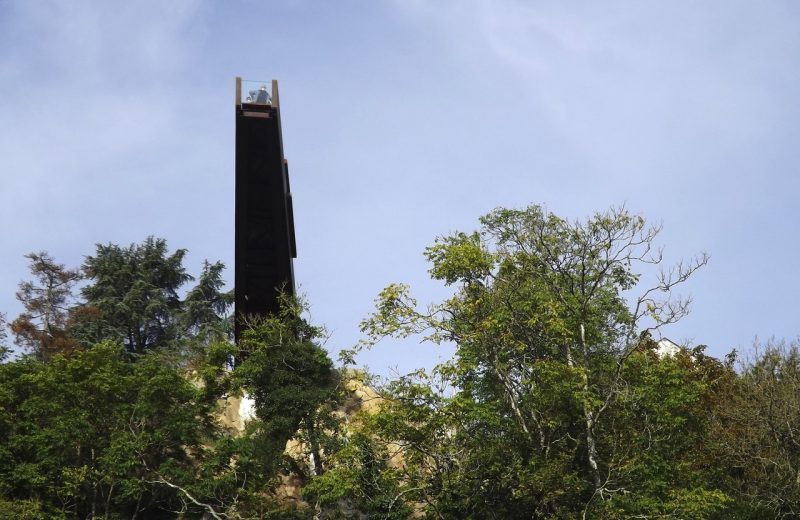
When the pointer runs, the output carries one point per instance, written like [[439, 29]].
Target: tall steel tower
[[265, 242]]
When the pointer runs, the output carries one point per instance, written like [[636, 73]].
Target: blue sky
[[404, 120]]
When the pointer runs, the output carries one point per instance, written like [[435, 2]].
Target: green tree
[[133, 296], [206, 308], [361, 481], [659, 433], [99, 433], [135, 292], [4, 350], [96, 435], [289, 377], [545, 318], [757, 432]]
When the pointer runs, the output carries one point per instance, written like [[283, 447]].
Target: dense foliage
[[557, 403], [114, 412]]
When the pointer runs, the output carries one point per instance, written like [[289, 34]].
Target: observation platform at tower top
[[252, 93]]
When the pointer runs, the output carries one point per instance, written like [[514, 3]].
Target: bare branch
[[207, 507]]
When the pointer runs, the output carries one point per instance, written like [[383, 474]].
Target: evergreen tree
[[4, 350], [134, 290], [206, 308]]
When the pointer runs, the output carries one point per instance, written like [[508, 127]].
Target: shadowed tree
[[757, 432]]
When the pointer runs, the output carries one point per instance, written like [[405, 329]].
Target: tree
[[757, 432], [206, 307], [43, 327], [98, 435], [96, 432], [95, 435], [545, 318], [3, 335], [289, 377], [659, 432], [361, 482], [135, 292]]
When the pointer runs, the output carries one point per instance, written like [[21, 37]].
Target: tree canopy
[[558, 401]]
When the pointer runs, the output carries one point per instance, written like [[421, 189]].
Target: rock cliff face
[[365, 398], [237, 411]]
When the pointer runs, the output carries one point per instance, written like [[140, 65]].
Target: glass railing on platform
[[256, 92]]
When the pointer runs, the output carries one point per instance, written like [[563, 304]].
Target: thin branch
[[207, 507]]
